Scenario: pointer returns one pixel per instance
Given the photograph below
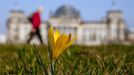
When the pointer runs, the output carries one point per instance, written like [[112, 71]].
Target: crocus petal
[[56, 35], [57, 46], [61, 45], [69, 38], [71, 41], [64, 44]]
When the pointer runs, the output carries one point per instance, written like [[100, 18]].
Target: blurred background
[[95, 22]]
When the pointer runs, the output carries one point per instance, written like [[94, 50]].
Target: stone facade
[[67, 19]]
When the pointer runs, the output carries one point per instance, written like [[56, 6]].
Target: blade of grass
[[21, 72], [39, 59]]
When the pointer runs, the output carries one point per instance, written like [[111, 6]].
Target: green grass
[[76, 60]]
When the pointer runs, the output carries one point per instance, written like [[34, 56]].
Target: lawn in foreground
[[76, 60]]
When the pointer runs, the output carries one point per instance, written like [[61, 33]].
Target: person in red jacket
[[36, 23]]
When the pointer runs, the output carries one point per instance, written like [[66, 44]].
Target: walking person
[[36, 23]]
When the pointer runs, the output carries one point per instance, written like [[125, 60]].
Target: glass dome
[[67, 12]]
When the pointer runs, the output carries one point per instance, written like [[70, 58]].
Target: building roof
[[114, 11], [16, 11], [93, 22], [67, 11]]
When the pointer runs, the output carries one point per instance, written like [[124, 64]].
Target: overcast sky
[[90, 9]]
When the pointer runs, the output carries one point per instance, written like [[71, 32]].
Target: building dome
[[67, 12]]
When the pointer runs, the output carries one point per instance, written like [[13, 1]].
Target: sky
[[89, 9]]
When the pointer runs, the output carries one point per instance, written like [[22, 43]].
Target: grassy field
[[76, 60]]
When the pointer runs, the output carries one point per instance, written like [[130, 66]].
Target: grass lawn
[[76, 60]]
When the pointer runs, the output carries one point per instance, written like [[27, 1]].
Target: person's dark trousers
[[32, 34]]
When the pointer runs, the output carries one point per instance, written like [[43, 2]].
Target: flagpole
[[113, 4], [16, 4]]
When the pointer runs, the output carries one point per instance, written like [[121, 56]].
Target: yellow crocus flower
[[58, 42]]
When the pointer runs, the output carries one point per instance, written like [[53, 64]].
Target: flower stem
[[52, 63]]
